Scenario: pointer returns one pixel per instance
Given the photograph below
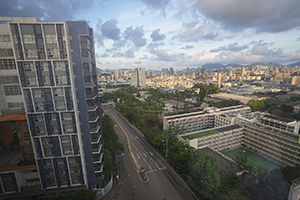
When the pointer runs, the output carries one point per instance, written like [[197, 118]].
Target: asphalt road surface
[[160, 183]]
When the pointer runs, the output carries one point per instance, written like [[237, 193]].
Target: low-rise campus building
[[270, 136]]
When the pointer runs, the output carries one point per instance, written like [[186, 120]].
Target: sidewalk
[[114, 191]]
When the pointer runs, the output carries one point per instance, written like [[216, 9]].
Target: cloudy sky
[[178, 33]]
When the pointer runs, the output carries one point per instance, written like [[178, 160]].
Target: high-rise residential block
[[52, 64], [138, 77]]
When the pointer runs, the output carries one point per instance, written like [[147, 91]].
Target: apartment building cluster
[[270, 136], [48, 72]]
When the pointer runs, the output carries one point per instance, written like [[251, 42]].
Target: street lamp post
[[166, 149]]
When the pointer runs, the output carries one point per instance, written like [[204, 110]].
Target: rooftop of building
[[282, 119], [8, 118], [10, 160], [202, 112], [203, 133]]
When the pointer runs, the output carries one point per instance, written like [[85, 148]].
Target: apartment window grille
[[38, 117], [30, 80], [5, 38], [29, 39], [61, 80], [51, 39], [59, 66], [52, 117], [8, 79], [28, 66], [66, 116], [40, 130], [6, 52], [47, 162], [58, 92], [12, 90], [54, 129], [26, 136], [38, 93], [40, 106], [31, 53], [15, 105], [60, 105], [44, 66], [7, 64], [68, 128], [46, 80], [52, 53]]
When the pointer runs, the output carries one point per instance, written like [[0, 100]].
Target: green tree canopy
[[204, 177], [256, 105]]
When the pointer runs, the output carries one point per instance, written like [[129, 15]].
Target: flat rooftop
[[206, 132], [274, 117], [202, 112]]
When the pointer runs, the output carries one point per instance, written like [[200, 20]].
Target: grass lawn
[[203, 134], [253, 159]]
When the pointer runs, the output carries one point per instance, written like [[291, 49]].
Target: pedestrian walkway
[[114, 191]]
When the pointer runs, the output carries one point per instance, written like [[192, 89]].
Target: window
[[15, 105], [40, 106], [54, 129], [4, 38], [31, 81], [6, 52], [38, 93], [86, 54], [60, 105], [28, 39], [46, 80], [28, 66], [52, 53], [40, 130], [7, 64], [59, 66], [26, 136], [58, 92], [31, 53], [52, 117], [38, 117], [68, 128], [8, 79], [12, 90], [61, 80], [66, 116], [51, 39], [44, 66]]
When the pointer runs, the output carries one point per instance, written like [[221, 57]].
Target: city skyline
[[163, 34]]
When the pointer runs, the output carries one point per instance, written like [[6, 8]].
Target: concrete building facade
[[55, 66]]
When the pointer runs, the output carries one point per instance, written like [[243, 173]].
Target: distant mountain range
[[220, 66]]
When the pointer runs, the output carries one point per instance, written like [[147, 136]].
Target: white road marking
[[150, 167], [145, 160], [154, 162], [138, 156], [142, 147], [133, 186], [145, 155], [159, 169], [128, 174], [150, 153], [137, 137]]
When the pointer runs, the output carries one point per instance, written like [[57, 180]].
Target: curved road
[[161, 183]]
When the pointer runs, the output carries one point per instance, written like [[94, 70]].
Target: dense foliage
[[112, 147]]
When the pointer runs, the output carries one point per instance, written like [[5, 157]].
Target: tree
[[287, 108], [256, 105], [107, 166], [204, 176]]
